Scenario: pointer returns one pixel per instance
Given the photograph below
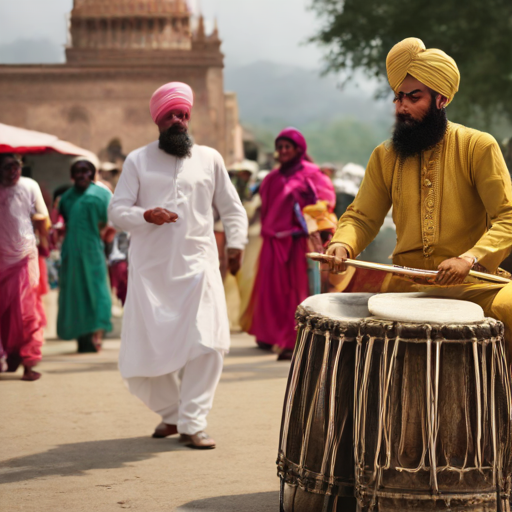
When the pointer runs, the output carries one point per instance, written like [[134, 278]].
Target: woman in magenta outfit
[[282, 280]]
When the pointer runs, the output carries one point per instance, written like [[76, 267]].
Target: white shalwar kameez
[[175, 315]]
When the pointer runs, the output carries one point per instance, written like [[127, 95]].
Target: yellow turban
[[431, 67]]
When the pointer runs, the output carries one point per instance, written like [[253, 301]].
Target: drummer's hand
[[340, 254], [160, 216], [234, 260], [453, 271]]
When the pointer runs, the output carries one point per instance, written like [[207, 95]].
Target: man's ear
[[441, 101]]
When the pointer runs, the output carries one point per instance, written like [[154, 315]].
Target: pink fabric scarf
[[297, 139]]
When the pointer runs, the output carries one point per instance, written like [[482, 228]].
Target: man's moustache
[[404, 118], [176, 129]]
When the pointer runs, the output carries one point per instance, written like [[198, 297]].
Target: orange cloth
[[325, 220]]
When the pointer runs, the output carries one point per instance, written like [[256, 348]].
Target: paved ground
[[76, 440]]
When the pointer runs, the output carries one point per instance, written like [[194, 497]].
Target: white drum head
[[423, 308], [339, 306]]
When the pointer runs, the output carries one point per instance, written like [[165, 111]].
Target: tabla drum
[[316, 455], [432, 421]]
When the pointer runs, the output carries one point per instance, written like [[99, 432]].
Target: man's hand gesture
[[453, 271], [160, 216], [340, 254], [234, 260]]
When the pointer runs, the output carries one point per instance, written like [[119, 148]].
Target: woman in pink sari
[[282, 280]]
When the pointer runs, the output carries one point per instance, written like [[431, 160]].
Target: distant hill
[[276, 94], [340, 124]]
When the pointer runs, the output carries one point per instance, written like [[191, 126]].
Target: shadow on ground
[[260, 370], [84, 367], [251, 351], [77, 458], [258, 502]]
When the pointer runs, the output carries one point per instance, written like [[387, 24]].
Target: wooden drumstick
[[404, 271]]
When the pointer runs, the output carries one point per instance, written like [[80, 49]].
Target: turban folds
[[171, 96], [433, 67]]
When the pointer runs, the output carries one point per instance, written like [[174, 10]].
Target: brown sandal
[[200, 441], [165, 430]]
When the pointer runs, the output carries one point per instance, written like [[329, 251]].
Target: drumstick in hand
[[421, 276]]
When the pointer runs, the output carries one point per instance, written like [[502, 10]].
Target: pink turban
[[171, 96]]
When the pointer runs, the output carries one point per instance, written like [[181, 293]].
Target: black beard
[[176, 142], [413, 137]]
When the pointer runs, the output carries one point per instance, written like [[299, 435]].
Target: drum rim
[[488, 330]]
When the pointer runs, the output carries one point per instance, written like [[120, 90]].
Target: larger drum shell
[[432, 420], [316, 456]]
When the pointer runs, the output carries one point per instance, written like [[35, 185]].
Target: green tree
[[358, 34]]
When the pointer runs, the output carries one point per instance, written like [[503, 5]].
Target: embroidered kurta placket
[[431, 188]]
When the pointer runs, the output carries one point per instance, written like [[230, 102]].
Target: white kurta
[[18, 205], [175, 295]]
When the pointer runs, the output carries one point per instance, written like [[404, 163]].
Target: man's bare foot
[[97, 340], [30, 375]]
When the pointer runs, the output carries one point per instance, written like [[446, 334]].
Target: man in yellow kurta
[[448, 185]]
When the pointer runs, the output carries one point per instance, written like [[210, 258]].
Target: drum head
[[339, 306], [423, 308]]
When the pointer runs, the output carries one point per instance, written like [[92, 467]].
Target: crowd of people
[[283, 205], [187, 222]]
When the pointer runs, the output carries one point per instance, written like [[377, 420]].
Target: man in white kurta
[[175, 316]]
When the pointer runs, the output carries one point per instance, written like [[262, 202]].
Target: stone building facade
[[119, 52]]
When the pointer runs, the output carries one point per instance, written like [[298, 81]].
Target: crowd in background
[[292, 210]]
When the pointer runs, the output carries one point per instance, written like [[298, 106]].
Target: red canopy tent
[[19, 140]]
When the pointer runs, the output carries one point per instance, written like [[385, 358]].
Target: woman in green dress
[[84, 298]]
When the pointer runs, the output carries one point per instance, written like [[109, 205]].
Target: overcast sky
[[252, 30]]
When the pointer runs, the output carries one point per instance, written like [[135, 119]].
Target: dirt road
[[76, 440]]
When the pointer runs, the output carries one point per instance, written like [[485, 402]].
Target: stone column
[[156, 32], [102, 23], [95, 33], [110, 40], [144, 37], [134, 36], [76, 34], [163, 33], [84, 34]]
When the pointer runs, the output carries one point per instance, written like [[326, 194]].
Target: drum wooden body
[[316, 455], [432, 421]]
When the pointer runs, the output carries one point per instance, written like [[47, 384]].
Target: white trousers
[[184, 402]]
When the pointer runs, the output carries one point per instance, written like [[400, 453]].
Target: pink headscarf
[[296, 137], [171, 96]]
